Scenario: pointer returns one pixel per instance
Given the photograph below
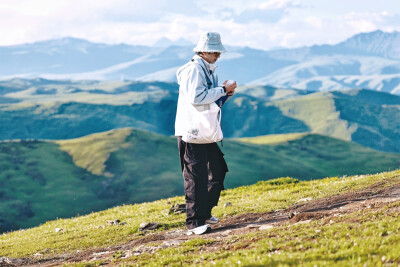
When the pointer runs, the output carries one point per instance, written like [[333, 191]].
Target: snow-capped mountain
[[367, 60]]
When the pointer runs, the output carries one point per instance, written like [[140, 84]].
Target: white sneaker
[[199, 230], [212, 220]]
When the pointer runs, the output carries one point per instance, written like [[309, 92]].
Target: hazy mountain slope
[[376, 43], [39, 181], [64, 55], [366, 60], [338, 72]]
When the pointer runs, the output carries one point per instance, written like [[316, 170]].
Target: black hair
[[199, 53]]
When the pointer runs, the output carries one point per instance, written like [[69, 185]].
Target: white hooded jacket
[[194, 90]]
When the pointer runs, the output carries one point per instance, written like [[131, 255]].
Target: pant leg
[[217, 169], [195, 176]]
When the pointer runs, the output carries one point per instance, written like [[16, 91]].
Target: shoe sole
[[190, 232]]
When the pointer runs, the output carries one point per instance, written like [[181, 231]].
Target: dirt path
[[375, 196]]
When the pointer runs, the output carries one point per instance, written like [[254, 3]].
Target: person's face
[[211, 57]]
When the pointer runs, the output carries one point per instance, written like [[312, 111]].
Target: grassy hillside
[[40, 182], [44, 180], [367, 235], [365, 117], [307, 157]]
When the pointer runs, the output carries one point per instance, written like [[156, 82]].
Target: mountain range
[[366, 60], [45, 109]]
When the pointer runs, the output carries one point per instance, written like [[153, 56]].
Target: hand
[[230, 88]]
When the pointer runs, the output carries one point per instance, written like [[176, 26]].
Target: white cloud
[[278, 4], [256, 23], [314, 22]]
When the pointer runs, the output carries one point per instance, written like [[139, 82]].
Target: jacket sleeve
[[197, 89]]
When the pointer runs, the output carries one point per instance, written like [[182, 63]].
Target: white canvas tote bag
[[204, 124]]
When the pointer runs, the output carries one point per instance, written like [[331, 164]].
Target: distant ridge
[[366, 60], [378, 42]]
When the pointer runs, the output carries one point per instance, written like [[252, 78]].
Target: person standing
[[203, 165]]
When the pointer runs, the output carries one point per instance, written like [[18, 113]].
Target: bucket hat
[[210, 42]]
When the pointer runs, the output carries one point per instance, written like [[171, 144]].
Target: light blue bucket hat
[[210, 42]]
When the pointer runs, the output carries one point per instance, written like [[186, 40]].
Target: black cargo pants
[[203, 169]]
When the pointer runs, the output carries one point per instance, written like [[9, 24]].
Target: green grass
[[83, 232], [362, 238]]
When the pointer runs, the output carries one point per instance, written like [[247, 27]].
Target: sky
[[263, 24]]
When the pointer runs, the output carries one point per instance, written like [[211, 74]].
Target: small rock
[[101, 253], [227, 204], [331, 221], [148, 226], [266, 227], [172, 243], [253, 226], [304, 199], [59, 230], [124, 223], [302, 222], [126, 254], [4, 261], [318, 231], [10, 262], [177, 209], [227, 232], [113, 222], [292, 214], [100, 226], [37, 254]]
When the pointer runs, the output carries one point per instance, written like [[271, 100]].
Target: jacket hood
[[180, 71]]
